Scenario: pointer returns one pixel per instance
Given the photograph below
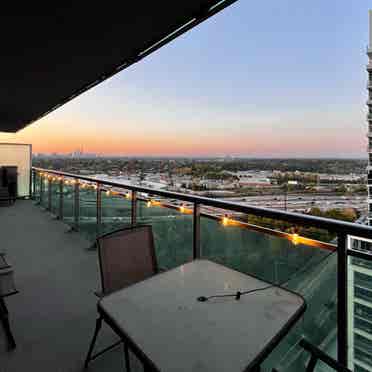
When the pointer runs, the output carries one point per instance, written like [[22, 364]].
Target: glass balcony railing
[[337, 289]]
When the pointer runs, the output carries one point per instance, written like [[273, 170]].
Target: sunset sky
[[268, 78]]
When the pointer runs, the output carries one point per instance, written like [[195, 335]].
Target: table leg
[[4, 317]]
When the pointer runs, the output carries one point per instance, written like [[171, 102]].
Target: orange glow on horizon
[[137, 139]]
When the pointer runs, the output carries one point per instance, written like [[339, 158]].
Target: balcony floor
[[53, 316]]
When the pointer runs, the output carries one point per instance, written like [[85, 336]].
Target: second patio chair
[[126, 256]]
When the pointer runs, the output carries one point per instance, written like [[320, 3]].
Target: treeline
[[333, 166], [201, 167], [347, 214]]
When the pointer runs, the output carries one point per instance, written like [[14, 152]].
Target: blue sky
[[261, 78]]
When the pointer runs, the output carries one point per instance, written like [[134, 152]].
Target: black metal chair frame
[[4, 317], [90, 356], [315, 355], [4, 313]]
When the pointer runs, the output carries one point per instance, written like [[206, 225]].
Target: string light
[[225, 221], [127, 195], [108, 192], [149, 203], [182, 209], [295, 238]]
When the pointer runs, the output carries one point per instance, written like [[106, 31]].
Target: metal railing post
[[98, 209], [49, 208], [196, 232], [342, 315], [76, 205], [134, 208], [60, 212]]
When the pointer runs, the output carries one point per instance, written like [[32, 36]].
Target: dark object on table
[[8, 184], [126, 256], [7, 288]]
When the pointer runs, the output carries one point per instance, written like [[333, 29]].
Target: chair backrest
[[126, 256]]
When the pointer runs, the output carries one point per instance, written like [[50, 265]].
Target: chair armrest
[[99, 294], [3, 263], [317, 354], [7, 285]]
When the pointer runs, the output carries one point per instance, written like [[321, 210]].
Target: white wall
[[20, 156]]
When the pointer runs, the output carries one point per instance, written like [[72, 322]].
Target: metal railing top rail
[[332, 225]]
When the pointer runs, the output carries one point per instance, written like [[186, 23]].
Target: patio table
[[169, 329]]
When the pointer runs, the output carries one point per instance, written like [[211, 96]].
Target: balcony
[[50, 239], [56, 264]]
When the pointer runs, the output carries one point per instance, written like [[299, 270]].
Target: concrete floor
[[53, 316]]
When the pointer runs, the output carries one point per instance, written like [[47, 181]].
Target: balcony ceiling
[[49, 58]]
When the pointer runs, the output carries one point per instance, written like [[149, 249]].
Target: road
[[302, 202]]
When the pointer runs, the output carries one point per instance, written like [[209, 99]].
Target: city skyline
[[257, 80]]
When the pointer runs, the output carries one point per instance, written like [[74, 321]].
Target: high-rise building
[[369, 119], [360, 271]]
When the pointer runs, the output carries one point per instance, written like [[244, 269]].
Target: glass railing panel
[[88, 210], [307, 270], [44, 193], [116, 210], [68, 201], [36, 187], [55, 195], [173, 231], [360, 305]]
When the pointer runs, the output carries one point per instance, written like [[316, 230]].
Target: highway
[[302, 202]]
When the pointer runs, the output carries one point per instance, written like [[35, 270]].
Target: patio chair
[[7, 288], [315, 355], [126, 256]]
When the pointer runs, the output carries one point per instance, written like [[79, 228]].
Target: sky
[[260, 79]]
